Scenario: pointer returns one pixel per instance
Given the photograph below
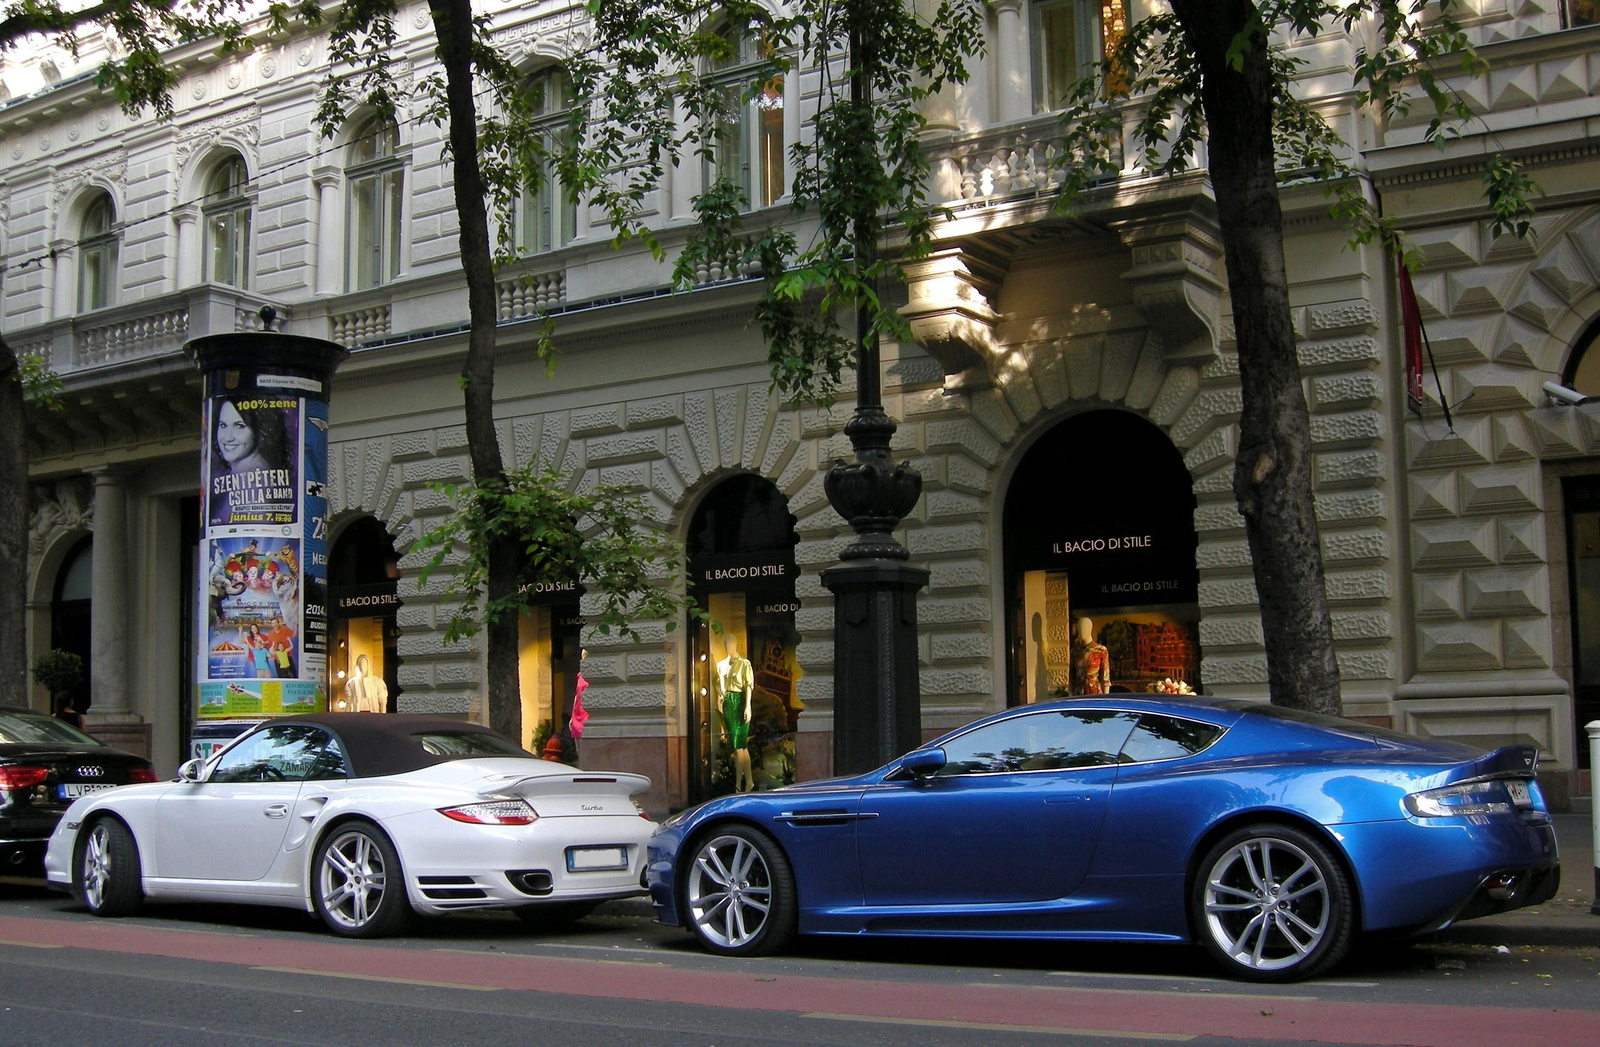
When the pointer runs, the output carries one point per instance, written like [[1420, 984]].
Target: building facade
[[1070, 401]]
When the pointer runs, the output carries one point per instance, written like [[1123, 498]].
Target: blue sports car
[[1272, 837]]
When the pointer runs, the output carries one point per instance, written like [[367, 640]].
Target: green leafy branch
[[593, 536]]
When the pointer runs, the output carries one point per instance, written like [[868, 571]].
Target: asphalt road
[[223, 976]]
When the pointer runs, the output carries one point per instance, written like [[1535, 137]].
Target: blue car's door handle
[[1074, 798]]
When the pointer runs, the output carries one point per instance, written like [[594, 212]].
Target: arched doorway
[[1581, 500], [70, 614], [363, 603], [741, 574], [1101, 584]]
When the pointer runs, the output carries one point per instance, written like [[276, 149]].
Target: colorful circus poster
[[253, 611]]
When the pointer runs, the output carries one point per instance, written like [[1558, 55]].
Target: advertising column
[[262, 627]]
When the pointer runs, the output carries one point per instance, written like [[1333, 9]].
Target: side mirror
[[920, 763], [190, 770]]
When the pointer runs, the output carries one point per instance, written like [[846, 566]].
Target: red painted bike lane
[[1069, 1010]]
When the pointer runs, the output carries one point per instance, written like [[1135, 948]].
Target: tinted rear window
[[34, 729], [1167, 738], [467, 743]]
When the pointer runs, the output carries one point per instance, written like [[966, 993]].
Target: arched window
[[97, 254], [376, 173], [1583, 370], [227, 220], [1069, 36], [547, 215], [748, 150]]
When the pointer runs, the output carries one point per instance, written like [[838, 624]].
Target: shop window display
[[744, 706], [1104, 592]]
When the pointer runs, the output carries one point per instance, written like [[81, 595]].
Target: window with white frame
[[226, 211], [748, 149], [376, 177], [1069, 37], [97, 254], [547, 215]]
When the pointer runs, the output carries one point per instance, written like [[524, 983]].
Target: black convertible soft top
[[394, 743]]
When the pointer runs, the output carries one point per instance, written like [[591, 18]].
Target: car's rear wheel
[[1271, 904], [740, 894], [107, 870], [553, 916], [357, 884]]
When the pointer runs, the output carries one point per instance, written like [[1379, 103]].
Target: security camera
[[1560, 394]]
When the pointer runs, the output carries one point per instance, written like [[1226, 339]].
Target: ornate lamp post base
[[877, 705]]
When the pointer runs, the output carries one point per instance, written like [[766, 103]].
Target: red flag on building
[[1411, 338]]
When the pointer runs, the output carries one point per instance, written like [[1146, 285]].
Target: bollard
[[1593, 727]]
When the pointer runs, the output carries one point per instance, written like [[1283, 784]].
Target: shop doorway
[[1101, 584], [70, 614], [741, 574], [549, 659], [363, 603], [1582, 498]]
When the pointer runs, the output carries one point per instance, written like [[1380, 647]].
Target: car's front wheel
[[107, 870], [357, 884], [1271, 904], [740, 894]]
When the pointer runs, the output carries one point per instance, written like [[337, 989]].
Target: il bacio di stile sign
[[1124, 568], [771, 572]]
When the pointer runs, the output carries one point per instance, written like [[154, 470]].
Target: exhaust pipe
[[1501, 886]]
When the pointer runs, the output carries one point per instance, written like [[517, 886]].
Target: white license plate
[[1520, 794], [596, 859], [73, 790]]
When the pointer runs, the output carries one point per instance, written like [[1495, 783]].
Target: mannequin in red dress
[[1091, 662]]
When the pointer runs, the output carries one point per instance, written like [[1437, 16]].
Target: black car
[[45, 764]]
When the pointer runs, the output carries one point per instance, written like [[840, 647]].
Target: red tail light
[[141, 774], [493, 812], [13, 778]]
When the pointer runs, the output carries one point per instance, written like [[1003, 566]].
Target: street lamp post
[[877, 709], [1593, 727]]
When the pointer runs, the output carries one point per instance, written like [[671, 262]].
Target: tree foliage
[[655, 79], [593, 536], [1407, 51]]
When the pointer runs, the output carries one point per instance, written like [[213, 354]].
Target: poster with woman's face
[[253, 456]]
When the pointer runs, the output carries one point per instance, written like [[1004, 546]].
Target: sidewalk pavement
[[1564, 920]]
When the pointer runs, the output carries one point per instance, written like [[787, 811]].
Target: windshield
[[468, 743], [35, 728]]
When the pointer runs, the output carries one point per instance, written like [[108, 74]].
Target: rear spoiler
[[556, 784], [1511, 761]]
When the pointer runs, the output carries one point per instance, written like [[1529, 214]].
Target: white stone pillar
[[190, 270], [1011, 64], [64, 279], [327, 263], [108, 624], [791, 128]]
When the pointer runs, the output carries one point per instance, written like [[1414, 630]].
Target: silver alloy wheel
[[96, 865], [352, 879], [1267, 904], [730, 891]]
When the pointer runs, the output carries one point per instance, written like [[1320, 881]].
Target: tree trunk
[[1272, 476], [13, 532], [452, 22]]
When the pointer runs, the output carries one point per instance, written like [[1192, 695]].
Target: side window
[[1167, 738], [287, 753], [1039, 742]]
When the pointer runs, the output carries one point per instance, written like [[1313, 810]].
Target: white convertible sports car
[[361, 819]]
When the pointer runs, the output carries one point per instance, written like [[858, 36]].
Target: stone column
[[327, 264], [109, 717], [190, 265], [1010, 60]]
